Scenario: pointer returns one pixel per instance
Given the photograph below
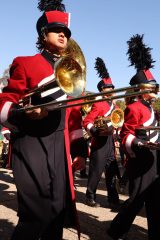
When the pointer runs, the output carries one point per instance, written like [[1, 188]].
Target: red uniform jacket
[[136, 115], [98, 109]]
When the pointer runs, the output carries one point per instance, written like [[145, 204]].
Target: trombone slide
[[65, 103]]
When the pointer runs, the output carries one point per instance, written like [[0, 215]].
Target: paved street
[[93, 221]]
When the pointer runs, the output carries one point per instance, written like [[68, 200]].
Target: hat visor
[[150, 84], [108, 86], [59, 25]]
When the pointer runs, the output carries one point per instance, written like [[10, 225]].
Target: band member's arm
[[9, 99], [131, 122], [88, 122], [11, 94]]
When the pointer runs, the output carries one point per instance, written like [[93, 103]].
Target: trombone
[[97, 97]]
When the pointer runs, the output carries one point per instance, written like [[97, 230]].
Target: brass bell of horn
[[74, 51], [87, 107], [117, 118], [70, 70]]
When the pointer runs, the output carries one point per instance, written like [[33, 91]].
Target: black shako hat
[[106, 81], [140, 58], [54, 16]]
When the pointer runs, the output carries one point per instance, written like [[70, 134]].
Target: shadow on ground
[[96, 230]]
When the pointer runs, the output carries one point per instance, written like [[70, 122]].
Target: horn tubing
[[149, 128], [59, 105], [36, 90], [41, 88]]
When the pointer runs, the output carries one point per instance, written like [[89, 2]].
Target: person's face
[[149, 96], [107, 91], [56, 40]]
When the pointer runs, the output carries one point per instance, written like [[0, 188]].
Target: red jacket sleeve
[[88, 121], [13, 92], [132, 119]]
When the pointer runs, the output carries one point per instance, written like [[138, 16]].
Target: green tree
[[157, 105], [121, 104], [3, 79]]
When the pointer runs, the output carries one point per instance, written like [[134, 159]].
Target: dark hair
[[40, 44]]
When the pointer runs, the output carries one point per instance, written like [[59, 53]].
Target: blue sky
[[101, 28]]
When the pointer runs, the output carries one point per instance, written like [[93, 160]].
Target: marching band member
[[6, 147], [102, 156], [41, 158], [141, 165]]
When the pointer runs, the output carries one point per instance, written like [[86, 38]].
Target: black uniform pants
[[103, 159], [28, 230], [43, 190], [131, 207]]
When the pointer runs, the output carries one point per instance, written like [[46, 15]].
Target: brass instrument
[[70, 102], [74, 51], [101, 123], [116, 118], [68, 74], [87, 107], [86, 135], [150, 145], [149, 128], [147, 144], [69, 71]]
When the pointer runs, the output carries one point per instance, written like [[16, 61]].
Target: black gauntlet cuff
[[15, 117], [94, 132]]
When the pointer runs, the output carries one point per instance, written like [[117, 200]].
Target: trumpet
[[116, 118]]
